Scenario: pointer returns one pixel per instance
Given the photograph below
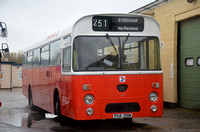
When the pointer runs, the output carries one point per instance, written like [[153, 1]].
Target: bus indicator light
[[87, 87], [155, 85]]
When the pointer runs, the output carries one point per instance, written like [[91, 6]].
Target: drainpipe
[[11, 78], [0, 68], [0, 79]]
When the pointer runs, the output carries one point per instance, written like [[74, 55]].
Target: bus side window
[[36, 59], [67, 58], [24, 60], [154, 60], [45, 56], [30, 59], [55, 53], [67, 54], [150, 54]]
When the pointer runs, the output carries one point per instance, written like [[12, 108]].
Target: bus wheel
[[30, 99], [57, 106]]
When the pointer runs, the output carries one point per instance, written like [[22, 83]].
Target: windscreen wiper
[[109, 39], [126, 39], [124, 42]]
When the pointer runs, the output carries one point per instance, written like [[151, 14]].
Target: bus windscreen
[[116, 53]]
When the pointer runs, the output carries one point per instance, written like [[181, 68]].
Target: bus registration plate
[[121, 116]]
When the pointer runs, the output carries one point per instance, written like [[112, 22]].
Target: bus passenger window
[[24, 60], [30, 59], [55, 53], [36, 58], [45, 56]]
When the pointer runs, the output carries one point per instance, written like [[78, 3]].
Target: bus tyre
[[57, 106], [30, 99]]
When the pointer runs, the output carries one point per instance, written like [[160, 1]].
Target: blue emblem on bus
[[122, 79]]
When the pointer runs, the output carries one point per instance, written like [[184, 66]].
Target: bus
[[104, 66]]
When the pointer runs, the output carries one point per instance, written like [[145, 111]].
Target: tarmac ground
[[16, 116]]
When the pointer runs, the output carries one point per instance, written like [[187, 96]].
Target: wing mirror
[[5, 50], [3, 30]]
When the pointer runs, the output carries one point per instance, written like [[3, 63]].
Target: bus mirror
[[5, 50], [3, 30]]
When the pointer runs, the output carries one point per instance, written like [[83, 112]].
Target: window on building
[[198, 61], [189, 62], [20, 75]]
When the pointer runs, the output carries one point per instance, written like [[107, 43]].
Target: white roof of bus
[[66, 31], [59, 33]]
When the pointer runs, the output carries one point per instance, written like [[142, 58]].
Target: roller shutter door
[[190, 63]]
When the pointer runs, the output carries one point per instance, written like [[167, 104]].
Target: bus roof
[[83, 26]]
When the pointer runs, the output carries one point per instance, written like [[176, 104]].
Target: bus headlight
[[89, 99], [153, 96]]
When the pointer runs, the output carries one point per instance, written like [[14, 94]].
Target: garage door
[[190, 64]]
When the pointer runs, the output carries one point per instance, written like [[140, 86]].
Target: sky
[[31, 20]]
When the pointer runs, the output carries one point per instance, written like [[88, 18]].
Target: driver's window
[[67, 55]]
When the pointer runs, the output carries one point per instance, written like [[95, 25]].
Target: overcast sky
[[31, 20]]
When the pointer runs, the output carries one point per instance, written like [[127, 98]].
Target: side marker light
[[87, 87]]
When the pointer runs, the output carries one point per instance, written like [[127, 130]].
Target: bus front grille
[[122, 107]]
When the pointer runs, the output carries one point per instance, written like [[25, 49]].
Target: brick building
[[11, 75], [180, 50]]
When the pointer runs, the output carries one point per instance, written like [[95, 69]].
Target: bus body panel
[[104, 89], [42, 84]]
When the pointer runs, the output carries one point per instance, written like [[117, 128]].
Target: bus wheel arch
[[57, 110]]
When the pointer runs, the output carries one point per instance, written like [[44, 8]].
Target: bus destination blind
[[118, 24]]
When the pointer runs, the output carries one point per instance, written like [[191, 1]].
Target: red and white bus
[[102, 67]]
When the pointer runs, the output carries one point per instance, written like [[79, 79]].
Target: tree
[[14, 57]]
